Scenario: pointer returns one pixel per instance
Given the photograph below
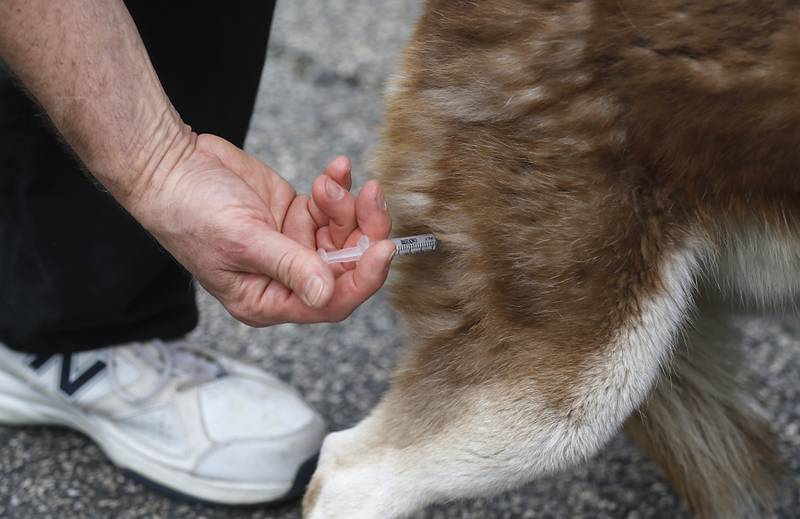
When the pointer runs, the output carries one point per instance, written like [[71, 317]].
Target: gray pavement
[[321, 96]]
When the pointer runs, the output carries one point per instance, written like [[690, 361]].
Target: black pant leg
[[76, 272], [209, 56]]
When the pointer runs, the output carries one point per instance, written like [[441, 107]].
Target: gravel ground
[[321, 96]]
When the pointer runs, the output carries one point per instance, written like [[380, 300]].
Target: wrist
[[157, 151]]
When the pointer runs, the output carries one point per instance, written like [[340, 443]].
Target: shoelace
[[195, 365]]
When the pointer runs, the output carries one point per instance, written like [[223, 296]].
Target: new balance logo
[[67, 383]]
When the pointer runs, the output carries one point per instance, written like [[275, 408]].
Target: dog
[[605, 178]]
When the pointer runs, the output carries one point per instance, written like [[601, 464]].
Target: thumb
[[295, 266]]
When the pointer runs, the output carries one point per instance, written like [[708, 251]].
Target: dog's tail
[[701, 428]]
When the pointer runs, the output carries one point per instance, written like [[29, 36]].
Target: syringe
[[404, 246]]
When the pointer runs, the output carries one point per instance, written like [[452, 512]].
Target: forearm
[[85, 63]]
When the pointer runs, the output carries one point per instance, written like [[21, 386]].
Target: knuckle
[[289, 267], [245, 312], [283, 265]]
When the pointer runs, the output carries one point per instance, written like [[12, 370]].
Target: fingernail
[[381, 201], [333, 189], [313, 290]]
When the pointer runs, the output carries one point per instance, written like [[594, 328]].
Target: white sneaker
[[189, 422]]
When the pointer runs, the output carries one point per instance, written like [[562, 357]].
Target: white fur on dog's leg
[[465, 440], [324, 498], [363, 474], [357, 479]]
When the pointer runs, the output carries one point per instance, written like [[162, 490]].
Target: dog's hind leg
[[486, 405], [700, 426]]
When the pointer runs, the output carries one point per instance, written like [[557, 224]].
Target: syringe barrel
[[403, 246], [415, 244]]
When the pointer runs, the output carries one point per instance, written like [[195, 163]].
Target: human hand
[[251, 241]]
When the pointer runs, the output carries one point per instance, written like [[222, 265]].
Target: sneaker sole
[[21, 405], [301, 481]]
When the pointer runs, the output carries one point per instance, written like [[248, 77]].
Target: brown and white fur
[[601, 174]]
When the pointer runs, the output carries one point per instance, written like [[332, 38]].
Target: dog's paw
[[341, 486], [355, 479]]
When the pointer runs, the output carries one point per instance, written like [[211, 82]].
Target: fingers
[[338, 215], [338, 205], [291, 264], [300, 227], [369, 275], [298, 224], [357, 285], [339, 170], [273, 303], [372, 213]]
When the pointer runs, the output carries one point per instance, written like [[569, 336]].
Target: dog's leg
[[701, 428], [483, 408]]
